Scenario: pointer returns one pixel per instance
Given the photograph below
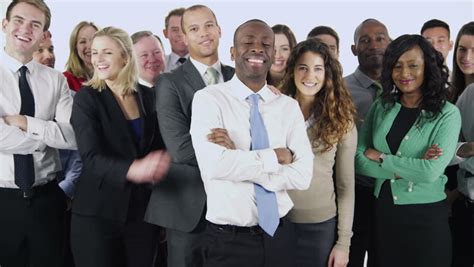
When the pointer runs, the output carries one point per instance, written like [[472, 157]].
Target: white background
[[301, 16]]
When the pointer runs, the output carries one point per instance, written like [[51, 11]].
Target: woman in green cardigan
[[412, 116]]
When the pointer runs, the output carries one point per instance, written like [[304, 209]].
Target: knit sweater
[[422, 181], [321, 201]]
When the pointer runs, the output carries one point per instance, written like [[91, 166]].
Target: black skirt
[[415, 235]]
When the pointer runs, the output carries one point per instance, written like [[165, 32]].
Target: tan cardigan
[[321, 202]]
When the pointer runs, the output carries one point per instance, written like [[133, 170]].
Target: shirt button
[[392, 180], [406, 137], [395, 198], [399, 153]]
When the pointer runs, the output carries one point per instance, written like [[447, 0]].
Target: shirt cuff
[[269, 159], [68, 188], [457, 159], [35, 128]]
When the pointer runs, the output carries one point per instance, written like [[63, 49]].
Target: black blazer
[[107, 149], [178, 201]]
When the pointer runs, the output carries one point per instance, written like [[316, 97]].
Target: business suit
[[178, 203], [108, 210]]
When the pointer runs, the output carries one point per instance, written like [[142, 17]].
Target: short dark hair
[[39, 4], [139, 35], [247, 22], [369, 20], [318, 30], [457, 76], [285, 30], [175, 12], [194, 8], [434, 89], [435, 23]]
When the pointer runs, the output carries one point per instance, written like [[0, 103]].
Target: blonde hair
[[127, 78], [75, 64]]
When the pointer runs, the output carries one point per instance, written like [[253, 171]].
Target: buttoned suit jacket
[[178, 202]]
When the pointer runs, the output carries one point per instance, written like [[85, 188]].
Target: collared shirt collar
[[241, 91], [364, 80], [202, 68], [174, 57], [14, 65], [145, 83]]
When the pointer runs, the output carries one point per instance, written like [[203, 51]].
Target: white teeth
[[309, 84], [251, 60], [101, 67], [23, 38]]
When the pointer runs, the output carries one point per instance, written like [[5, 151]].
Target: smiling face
[[439, 38], [24, 31], [150, 58], [408, 72], [45, 53], [309, 74], [175, 35], [202, 35], [83, 45], [282, 53], [253, 52], [107, 58], [465, 54]]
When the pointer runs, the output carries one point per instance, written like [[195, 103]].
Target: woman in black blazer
[[117, 134]]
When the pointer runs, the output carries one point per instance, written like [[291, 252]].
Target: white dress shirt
[[202, 68], [229, 175], [172, 61], [47, 130]]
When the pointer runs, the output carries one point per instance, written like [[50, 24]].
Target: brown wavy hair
[[332, 109]]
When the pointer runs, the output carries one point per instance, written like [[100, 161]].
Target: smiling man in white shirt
[[241, 148], [35, 106]]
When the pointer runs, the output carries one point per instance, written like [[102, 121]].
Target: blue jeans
[[314, 242]]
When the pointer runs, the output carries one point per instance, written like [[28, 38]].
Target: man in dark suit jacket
[[178, 203]]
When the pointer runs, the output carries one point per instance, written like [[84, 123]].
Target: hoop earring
[[394, 90]]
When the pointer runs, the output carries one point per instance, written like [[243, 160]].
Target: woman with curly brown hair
[[323, 214]]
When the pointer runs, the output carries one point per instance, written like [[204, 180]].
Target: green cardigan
[[422, 181]]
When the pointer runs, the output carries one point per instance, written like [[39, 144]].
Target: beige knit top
[[328, 197]]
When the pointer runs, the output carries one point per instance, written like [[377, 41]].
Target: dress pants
[[98, 242], [185, 249], [462, 229], [31, 229], [363, 239], [230, 246], [314, 242]]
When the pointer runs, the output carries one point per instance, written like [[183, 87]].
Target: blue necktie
[[267, 207], [24, 167]]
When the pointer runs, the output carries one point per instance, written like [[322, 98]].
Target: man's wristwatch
[[382, 157]]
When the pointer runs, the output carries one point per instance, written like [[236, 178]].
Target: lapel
[[227, 72], [192, 76], [148, 125]]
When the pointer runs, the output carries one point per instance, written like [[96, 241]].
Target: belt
[[253, 230], [226, 228], [15, 192]]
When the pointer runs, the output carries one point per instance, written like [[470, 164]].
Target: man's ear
[[232, 53], [354, 50]]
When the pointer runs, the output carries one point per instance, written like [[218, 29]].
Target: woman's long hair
[[435, 88], [458, 78], [127, 78], [333, 110]]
